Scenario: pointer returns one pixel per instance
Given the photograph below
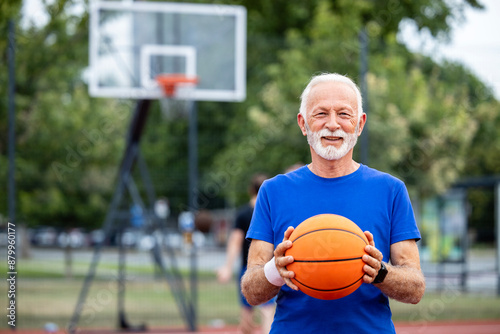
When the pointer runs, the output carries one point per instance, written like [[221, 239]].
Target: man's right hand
[[224, 274], [282, 261]]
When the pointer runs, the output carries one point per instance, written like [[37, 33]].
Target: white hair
[[329, 77]]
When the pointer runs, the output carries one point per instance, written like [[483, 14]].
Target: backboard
[[133, 42]]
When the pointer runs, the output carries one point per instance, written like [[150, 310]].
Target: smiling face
[[332, 125]]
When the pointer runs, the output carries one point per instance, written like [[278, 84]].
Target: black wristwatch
[[381, 274]]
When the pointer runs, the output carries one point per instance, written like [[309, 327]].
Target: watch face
[[381, 274]]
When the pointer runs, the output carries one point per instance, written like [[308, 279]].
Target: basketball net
[[178, 94]]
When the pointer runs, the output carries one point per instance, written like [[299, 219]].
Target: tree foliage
[[429, 123], [67, 144], [423, 115]]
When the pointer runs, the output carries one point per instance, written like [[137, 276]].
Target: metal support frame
[[490, 181], [497, 229], [458, 195], [11, 181], [193, 197], [12, 123], [170, 270], [363, 71]]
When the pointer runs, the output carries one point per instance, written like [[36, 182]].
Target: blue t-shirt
[[375, 201]]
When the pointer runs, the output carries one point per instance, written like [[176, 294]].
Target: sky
[[475, 43]]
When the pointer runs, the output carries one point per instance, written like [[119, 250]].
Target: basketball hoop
[[170, 82], [178, 92]]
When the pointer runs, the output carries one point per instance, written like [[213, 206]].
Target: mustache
[[328, 133]]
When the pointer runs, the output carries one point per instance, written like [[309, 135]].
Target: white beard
[[331, 152]]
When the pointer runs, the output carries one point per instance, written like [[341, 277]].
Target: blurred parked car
[[96, 237], [44, 236], [74, 238]]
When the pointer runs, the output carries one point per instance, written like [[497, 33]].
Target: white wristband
[[272, 274]]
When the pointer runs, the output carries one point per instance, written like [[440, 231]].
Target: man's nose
[[332, 124]]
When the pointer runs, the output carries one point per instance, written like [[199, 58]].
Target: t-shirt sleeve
[[404, 225], [261, 225], [239, 222]]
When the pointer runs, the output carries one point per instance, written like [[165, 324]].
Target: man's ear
[[362, 122], [302, 123]]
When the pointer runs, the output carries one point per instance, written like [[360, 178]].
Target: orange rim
[[169, 82]]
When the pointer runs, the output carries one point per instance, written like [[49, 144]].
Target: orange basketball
[[327, 251]]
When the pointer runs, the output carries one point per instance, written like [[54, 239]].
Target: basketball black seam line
[[333, 260], [330, 229], [329, 290]]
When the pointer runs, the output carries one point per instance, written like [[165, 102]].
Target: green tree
[[424, 118], [67, 144], [287, 42], [70, 145], [420, 127]]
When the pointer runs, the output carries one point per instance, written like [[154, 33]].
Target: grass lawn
[[448, 307]]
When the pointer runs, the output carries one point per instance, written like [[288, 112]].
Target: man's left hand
[[372, 260]]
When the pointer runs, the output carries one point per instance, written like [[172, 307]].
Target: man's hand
[[372, 260], [282, 261], [224, 274], [404, 281], [236, 239]]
